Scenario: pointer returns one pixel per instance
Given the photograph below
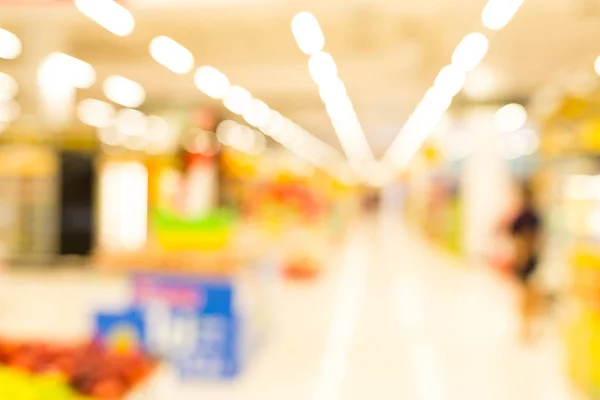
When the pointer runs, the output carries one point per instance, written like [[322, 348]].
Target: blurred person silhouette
[[524, 229]]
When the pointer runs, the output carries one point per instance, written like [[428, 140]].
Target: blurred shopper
[[525, 230], [371, 201]]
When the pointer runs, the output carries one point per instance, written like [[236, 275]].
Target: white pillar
[[486, 183]]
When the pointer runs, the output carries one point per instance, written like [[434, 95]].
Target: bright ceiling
[[388, 53]]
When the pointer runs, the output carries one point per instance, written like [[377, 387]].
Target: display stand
[[207, 317], [582, 333]]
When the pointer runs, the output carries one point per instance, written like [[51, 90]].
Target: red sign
[[33, 2], [38, 2]]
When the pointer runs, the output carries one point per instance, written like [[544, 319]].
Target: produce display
[[43, 371], [28, 182], [16, 384], [582, 333], [290, 203], [293, 213], [301, 269], [570, 146], [440, 215], [207, 233]]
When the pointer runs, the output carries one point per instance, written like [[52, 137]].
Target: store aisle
[[433, 328], [395, 319], [391, 319]]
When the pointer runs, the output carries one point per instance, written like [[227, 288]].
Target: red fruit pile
[[88, 369], [301, 270]]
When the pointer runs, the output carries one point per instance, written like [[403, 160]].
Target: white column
[[486, 183]]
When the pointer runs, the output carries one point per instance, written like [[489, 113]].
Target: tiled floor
[[391, 319]]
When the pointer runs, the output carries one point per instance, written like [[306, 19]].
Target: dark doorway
[[77, 177]]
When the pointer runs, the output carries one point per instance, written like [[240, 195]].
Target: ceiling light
[[481, 84], [124, 91], [158, 128], [211, 82], [131, 122], [340, 109], [135, 143], [597, 65], [434, 103], [9, 87], [470, 51], [257, 114], [236, 136], [324, 72], [241, 138], [498, 13], [288, 139], [466, 57], [172, 55], [276, 124], [424, 119], [450, 80], [332, 90], [510, 118], [290, 133], [160, 135], [61, 68], [95, 113], [109, 136], [223, 131], [297, 141], [308, 33], [109, 14], [237, 99], [10, 45], [322, 68]]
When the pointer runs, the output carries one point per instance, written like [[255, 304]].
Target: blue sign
[[122, 332], [191, 322]]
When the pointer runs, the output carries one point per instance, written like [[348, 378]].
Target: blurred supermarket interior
[[328, 200]]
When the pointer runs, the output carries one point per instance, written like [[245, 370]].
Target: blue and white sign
[[194, 323]]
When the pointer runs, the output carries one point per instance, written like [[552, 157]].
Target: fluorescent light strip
[[498, 13], [241, 137], [451, 79], [323, 70], [62, 69], [109, 14], [256, 113], [171, 55], [10, 45], [308, 33], [96, 113], [124, 91]]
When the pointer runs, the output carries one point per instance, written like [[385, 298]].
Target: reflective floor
[[391, 318]]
